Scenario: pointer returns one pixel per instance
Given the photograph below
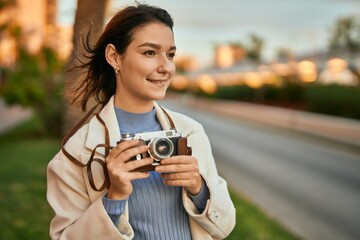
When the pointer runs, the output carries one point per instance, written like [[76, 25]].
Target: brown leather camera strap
[[92, 158], [172, 125], [71, 133]]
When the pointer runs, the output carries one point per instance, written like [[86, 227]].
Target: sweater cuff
[[114, 208], [200, 199]]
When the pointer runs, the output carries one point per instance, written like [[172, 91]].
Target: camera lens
[[160, 148]]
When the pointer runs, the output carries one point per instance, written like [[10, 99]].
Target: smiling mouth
[[157, 81]]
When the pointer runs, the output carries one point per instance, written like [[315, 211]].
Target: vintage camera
[[162, 144]]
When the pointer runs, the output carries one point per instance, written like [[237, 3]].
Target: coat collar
[[96, 131]]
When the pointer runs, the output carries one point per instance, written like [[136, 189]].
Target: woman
[[95, 191]]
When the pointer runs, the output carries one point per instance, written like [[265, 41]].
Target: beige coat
[[79, 211]]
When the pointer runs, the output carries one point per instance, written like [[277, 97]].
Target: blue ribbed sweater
[[156, 211]]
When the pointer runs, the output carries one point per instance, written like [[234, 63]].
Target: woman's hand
[[119, 168], [181, 171]]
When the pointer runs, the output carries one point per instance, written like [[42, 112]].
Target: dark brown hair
[[100, 80]]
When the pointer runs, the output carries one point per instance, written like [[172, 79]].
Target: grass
[[253, 224], [25, 214]]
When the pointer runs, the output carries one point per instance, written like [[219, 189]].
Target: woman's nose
[[166, 65]]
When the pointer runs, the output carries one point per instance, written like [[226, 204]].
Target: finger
[[180, 176], [191, 185], [121, 178], [138, 175], [124, 177], [177, 183], [118, 149], [120, 161], [177, 168], [178, 159], [172, 168], [134, 164], [131, 152], [122, 146], [127, 154]]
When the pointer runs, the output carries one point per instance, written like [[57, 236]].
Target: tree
[[345, 34], [4, 4], [251, 49], [37, 80], [34, 81], [255, 47], [87, 12], [284, 54], [6, 23]]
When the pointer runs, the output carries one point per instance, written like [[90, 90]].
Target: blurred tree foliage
[[284, 54], [345, 38], [251, 49], [255, 47], [35, 81], [345, 34], [4, 4], [7, 3]]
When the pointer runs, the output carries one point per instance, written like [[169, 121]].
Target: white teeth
[[157, 81]]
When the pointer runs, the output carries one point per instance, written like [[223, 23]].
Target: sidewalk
[[335, 128], [12, 116]]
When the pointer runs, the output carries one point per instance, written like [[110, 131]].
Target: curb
[[338, 129]]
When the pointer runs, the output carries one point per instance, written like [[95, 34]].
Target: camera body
[[162, 144]]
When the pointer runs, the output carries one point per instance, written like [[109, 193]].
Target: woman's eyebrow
[[154, 45]]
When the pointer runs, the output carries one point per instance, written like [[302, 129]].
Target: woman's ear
[[112, 57]]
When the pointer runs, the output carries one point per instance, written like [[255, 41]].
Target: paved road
[[309, 184], [12, 116]]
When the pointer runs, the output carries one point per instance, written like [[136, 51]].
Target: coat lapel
[[96, 131], [163, 120]]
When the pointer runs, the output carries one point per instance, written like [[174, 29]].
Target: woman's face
[[146, 68]]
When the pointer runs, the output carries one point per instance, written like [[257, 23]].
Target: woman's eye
[[171, 55], [150, 53]]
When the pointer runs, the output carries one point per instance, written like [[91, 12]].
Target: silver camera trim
[[147, 136]]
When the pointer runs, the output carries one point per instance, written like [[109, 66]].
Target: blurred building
[[64, 43], [228, 55], [186, 63], [336, 68], [33, 25], [319, 68], [337, 71]]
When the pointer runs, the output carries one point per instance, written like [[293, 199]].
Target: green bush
[[268, 94], [237, 92], [35, 81], [334, 99]]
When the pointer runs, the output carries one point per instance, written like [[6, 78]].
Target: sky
[[303, 26]]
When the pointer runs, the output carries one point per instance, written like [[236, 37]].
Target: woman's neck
[[134, 106]]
